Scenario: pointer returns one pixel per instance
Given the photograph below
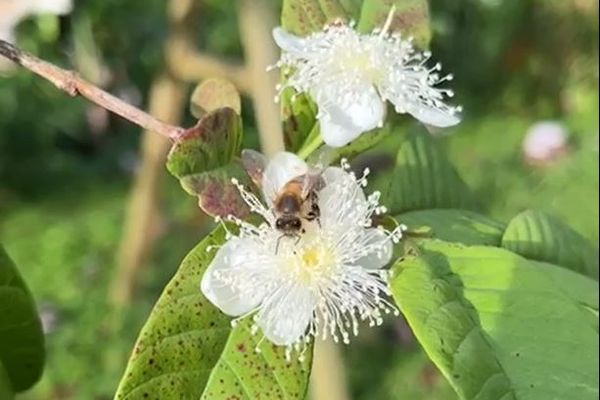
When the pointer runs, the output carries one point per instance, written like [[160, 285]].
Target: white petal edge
[[431, 115], [234, 253], [282, 168], [287, 315], [343, 117], [288, 42], [342, 200]]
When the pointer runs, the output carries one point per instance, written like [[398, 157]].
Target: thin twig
[[189, 64], [73, 84], [256, 19]]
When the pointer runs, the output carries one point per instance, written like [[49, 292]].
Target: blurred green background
[[67, 168]]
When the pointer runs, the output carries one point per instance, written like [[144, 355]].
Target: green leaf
[[461, 226], [500, 326], [411, 18], [204, 159], [211, 144], [538, 236], [424, 179], [213, 94], [22, 351], [217, 195], [6, 391], [244, 373], [363, 143], [188, 350], [302, 17], [299, 119]]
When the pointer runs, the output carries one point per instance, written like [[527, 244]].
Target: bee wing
[[254, 163], [313, 181]]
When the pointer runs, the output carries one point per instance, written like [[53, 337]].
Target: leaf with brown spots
[[188, 350], [411, 18], [204, 160]]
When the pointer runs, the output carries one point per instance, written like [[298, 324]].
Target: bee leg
[[298, 237], [277, 244]]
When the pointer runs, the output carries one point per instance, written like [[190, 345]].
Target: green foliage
[[213, 94], [211, 144], [244, 373], [299, 119], [538, 236], [487, 152], [498, 325], [203, 159], [22, 351], [460, 226], [5, 389], [423, 178], [188, 349], [302, 17], [411, 18], [363, 143]]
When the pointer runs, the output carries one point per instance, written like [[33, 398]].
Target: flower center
[[359, 62], [311, 258], [312, 261]]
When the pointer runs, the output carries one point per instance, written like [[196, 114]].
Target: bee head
[[289, 223]]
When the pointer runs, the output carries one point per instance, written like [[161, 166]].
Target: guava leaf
[[212, 94], [460, 226], [22, 352], [217, 195], [538, 236], [205, 159], [302, 17], [6, 391], [188, 349], [212, 143], [424, 179], [499, 326], [363, 143], [411, 18], [299, 117]]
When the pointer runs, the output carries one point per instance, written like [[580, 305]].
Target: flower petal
[[342, 200], [431, 115], [378, 248], [288, 42], [281, 169], [287, 315], [240, 257], [345, 113], [416, 95]]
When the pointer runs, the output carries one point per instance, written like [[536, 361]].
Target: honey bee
[[295, 202]]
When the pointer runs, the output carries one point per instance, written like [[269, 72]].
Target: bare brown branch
[[71, 83]]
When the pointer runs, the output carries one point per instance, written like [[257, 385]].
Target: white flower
[[545, 141], [12, 12], [318, 285], [351, 75]]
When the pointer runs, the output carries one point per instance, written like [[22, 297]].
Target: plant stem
[[314, 141], [74, 85]]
